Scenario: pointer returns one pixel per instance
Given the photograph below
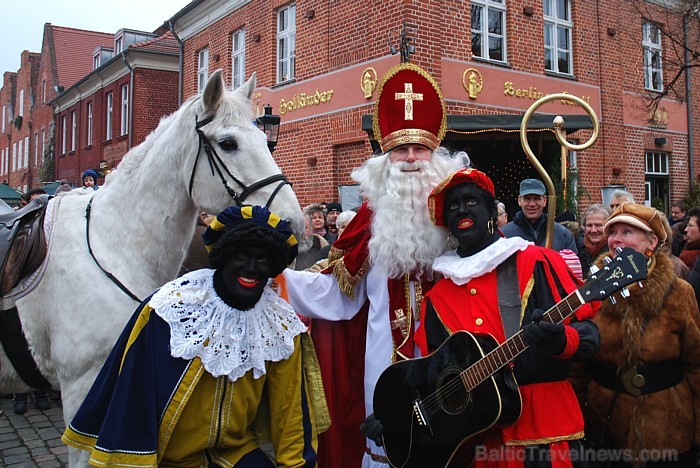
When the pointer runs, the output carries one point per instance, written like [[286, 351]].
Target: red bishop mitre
[[409, 109]]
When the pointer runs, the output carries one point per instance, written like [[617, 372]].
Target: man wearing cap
[[498, 286], [381, 266], [531, 222], [185, 382], [332, 211]]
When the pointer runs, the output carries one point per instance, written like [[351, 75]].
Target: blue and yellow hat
[[259, 215]]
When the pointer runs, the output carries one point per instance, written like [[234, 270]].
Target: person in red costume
[[370, 298], [500, 285]]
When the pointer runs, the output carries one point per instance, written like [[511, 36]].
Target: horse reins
[[109, 275], [215, 162]]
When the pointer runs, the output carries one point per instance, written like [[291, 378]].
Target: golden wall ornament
[[472, 82], [368, 81]]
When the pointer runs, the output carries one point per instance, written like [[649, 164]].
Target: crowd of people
[[267, 349]]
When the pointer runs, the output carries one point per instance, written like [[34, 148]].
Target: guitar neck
[[516, 344]]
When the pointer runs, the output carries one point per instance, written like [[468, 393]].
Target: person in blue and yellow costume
[[210, 362]]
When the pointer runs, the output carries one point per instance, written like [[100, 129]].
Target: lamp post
[[270, 125], [404, 42]]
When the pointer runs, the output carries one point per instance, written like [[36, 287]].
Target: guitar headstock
[[629, 266]]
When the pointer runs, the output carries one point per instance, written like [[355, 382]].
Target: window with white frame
[[26, 152], [14, 156], [89, 124], [4, 113], [557, 36], [2, 161], [656, 180], [202, 69], [43, 91], [43, 143], [20, 153], [96, 61], [64, 133], [21, 103], [489, 29], [36, 149], [110, 102], [118, 46], [238, 58], [286, 42], [651, 43], [73, 129], [125, 111]]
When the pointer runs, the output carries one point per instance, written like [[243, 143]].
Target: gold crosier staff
[[558, 125]]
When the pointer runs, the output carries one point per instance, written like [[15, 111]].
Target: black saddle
[[22, 243]]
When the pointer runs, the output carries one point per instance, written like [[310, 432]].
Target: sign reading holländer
[[302, 100]]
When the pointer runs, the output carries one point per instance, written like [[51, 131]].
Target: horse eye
[[228, 144]]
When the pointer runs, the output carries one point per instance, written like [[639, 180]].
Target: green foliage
[[658, 203], [573, 197], [18, 122], [692, 196], [47, 170]]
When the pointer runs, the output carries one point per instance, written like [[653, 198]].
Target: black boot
[[20, 402], [41, 397]]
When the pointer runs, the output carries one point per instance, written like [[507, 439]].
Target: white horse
[[140, 225]]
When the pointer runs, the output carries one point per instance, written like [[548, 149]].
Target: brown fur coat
[[670, 418]]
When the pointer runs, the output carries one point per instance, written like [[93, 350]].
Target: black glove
[[545, 337], [372, 429]]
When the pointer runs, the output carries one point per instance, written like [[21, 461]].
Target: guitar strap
[[509, 296]]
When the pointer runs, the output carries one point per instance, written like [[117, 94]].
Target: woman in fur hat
[[644, 389]]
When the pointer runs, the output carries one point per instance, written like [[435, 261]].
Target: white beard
[[404, 240], [305, 243]]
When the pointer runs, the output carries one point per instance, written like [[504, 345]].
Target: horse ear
[[214, 91], [248, 87]]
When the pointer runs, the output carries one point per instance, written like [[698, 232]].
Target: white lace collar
[[228, 341], [461, 270]]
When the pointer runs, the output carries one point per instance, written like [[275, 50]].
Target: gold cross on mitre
[[409, 96]]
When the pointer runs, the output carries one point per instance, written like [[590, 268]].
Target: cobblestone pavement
[[32, 439]]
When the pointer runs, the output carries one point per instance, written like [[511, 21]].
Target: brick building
[[317, 64], [26, 135], [117, 104]]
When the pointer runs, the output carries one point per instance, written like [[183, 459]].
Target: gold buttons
[[472, 291], [479, 321]]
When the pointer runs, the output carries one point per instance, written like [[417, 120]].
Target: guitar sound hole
[[452, 395]]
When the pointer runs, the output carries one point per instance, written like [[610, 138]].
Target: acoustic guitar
[[435, 408]]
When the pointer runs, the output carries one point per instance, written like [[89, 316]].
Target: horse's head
[[233, 164]]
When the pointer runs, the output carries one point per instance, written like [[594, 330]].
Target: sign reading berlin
[[532, 93]]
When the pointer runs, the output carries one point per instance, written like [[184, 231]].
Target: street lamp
[[270, 125]]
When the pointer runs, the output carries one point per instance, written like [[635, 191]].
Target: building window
[[656, 176], [43, 143], [202, 69], [73, 129], [651, 42], [557, 36], [286, 42], [4, 113], [110, 101], [488, 29], [125, 110], [64, 134], [89, 124], [2, 161], [238, 58], [14, 156], [36, 149], [118, 46], [20, 153], [21, 103], [43, 91], [26, 152], [96, 61]]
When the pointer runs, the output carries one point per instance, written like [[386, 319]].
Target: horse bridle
[[215, 163]]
